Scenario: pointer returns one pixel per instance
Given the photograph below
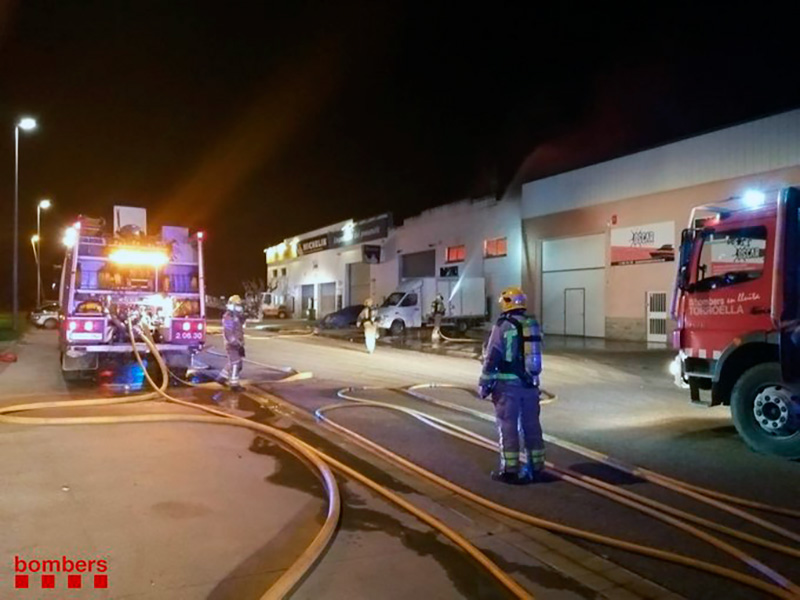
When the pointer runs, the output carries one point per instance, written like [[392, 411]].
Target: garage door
[[357, 283], [327, 298], [306, 299], [573, 286]]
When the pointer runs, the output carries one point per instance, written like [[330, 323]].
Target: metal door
[[327, 298], [657, 317], [358, 275], [575, 311], [307, 299]]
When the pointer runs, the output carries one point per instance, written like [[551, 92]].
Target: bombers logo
[[52, 573]]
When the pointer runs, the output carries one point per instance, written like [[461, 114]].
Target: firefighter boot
[[533, 470], [508, 477]]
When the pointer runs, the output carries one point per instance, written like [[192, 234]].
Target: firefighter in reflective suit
[[366, 319], [438, 310], [233, 332], [511, 368]]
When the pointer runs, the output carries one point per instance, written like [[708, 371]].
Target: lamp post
[[43, 205], [26, 124], [34, 244]]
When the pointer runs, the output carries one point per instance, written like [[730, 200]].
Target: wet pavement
[[618, 399], [184, 510]]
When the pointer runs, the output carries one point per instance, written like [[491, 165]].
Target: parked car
[[45, 315], [342, 319]]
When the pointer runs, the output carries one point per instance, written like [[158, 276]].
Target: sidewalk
[[37, 367]]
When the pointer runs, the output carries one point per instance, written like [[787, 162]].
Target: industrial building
[[345, 263], [595, 247], [327, 268], [600, 241]]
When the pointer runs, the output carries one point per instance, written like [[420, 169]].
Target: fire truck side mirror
[[687, 240]]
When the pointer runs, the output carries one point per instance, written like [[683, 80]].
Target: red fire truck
[[737, 308], [109, 278]]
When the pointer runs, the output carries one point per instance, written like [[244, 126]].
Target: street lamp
[[26, 124], [34, 243], [43, 205]]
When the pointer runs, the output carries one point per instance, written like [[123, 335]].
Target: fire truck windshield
[[730, 257]]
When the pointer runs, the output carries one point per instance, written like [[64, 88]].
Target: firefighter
[[233, 332], [438, 310], [511, 367], [367, 320]]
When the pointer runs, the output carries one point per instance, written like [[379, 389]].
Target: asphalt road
[[189, 511], [623, 404]]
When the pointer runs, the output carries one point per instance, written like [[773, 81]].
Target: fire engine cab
[[737, 307]]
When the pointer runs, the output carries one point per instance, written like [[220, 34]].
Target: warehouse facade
[[600, 242], [344, 263]]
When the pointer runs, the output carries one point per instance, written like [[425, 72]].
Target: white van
[[410, 305]]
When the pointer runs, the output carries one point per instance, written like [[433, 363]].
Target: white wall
[[755, 147], [467, 223], [318, 268]]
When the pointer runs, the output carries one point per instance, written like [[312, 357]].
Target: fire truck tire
[[743, 398], [179, 373]]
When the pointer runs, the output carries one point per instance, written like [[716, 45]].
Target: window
[[274, 272], [409, 300], [731, 257], [495, 247], [283, 272], [448, 272], [393, 299], [456, 254]]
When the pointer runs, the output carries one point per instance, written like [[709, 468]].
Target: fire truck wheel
[[766, 413], [179, 374]]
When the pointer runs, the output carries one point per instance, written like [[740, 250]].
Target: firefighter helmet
[[512, 298], [368, 302], [236, 299]]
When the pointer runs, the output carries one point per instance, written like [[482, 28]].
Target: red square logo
[[73, 581], [101, 581], [48, 582], [21, 582]]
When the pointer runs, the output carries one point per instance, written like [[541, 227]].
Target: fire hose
[[321, 462], [783, 589]]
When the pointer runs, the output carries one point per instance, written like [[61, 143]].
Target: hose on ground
[[590, 483], [322, 462], [698, 493], [790, 592], [305, 565]]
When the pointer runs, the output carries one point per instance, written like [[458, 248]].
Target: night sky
[[257, 121]]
